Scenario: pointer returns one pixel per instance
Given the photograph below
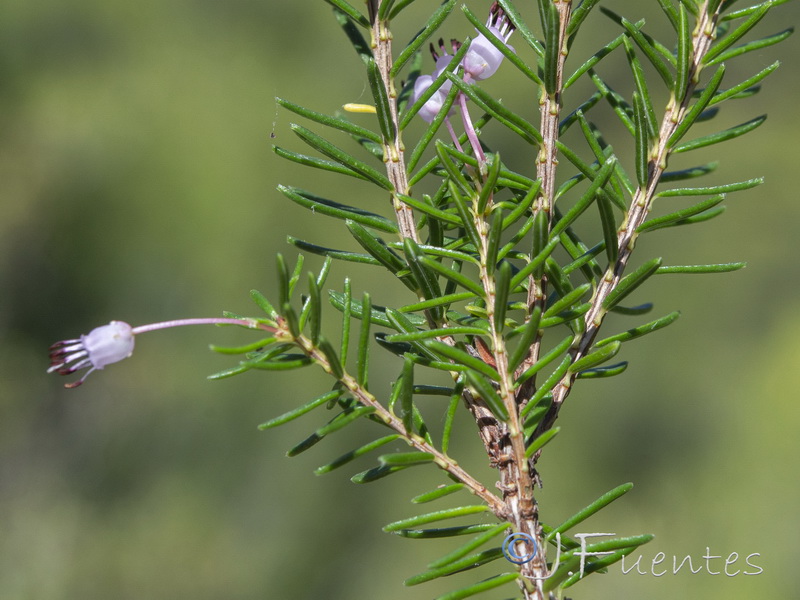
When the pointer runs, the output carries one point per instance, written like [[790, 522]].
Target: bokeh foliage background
[[137, 183]]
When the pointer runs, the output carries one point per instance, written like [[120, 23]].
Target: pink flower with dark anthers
[[434, 104], [114, 342], [483, 58], [480, 62], [443, 60], [102, 346]]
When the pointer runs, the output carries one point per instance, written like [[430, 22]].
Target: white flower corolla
[[102, 346], [112, 343], [483, 58]]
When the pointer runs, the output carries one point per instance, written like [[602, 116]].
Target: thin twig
[[384, 414], [639, 208], [393, 152]]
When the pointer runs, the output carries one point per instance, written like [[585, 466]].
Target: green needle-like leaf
[[493, 242], [362, 368], [480, 587], [405, 386], [443, 301], [315, 309], [567, 301], [425, 334], [596, 58], [541, 441], [263, 303], [461, 357], [609, 225], [597, 357], [562, 347], [488, 394], [722, 136], [684, 53], [754, 45], [379, 95], [489, 184], [694, 269], [452, 275], [695, 112], [378, 315], [407, 459], [332, 252], [354, 454], [647, 46], [552, 46], [746, 85], [590, 510], [469, 562], [502, 288], [521, 26], [343, 419], [430, 210], [630, 282], [738, 33], [376, 473], [452, 407], [336, 367], [588, 197], [671, 12], [529, 333], [340, 156], [377, 249], [251, 347], [640, 82], [317, 163], [351, 12], [426, 280], [715, 189], [636, 332], [642, 142], [603, 372], [690, 173], [536, 266], [300, 411], [330, 208], [346, 312], [579, 14], [334, 122], [439, 492], [474, 543], [433, 517]]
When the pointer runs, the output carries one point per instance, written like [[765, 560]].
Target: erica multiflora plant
[[504, 300]]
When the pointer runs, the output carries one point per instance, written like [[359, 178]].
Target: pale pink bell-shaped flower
[[483, 58], [434, 104], [103, 346]]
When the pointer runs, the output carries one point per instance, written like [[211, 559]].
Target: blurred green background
[[137, 183]]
